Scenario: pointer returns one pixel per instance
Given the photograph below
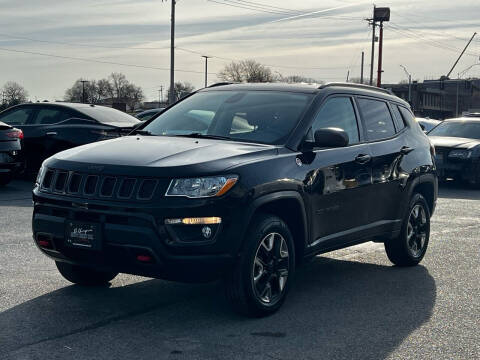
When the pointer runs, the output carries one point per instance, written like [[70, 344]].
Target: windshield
[[470, 130], [253, 116], [108, 115]]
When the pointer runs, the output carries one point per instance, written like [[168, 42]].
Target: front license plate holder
[[83, 235]]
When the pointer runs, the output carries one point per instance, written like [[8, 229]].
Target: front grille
[[47, 180], [126, 189], [102, 186], [108, 186], [90, 185], [74, 184], [60, 181]]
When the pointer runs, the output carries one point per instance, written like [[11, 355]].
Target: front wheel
[[409, 248], [84, 276], [261, 279]]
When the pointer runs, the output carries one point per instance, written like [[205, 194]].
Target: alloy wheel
[[270, 268], [417, 230]]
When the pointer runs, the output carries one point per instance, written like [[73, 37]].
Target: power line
[[268, 6], [82, 45], [98, 61], [247, 7], [261, 7], [410, 34], [270, 65], [298, 13]]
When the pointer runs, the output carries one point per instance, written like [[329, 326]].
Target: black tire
[[265, 294], [5, 179], [84, 276], [409, 248]]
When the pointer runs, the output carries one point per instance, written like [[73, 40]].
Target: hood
[[453, 142], [160, 155]]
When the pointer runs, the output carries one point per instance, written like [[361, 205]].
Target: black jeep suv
[[241, 182]]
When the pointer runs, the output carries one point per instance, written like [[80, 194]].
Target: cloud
[[332, 40]]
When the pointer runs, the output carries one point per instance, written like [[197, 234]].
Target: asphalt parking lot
[[350, 304]]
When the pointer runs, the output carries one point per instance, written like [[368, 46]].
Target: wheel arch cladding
[[427, 190], [291, 210]]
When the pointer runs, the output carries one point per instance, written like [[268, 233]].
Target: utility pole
[[361, 70], [161, 94], [409, 84], [83, 90], [372, 55], [206, 68], [171, 99], [456, 106], [348, 74], [380, 54], [456, 62]]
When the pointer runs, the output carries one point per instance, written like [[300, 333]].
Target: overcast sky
[[426, 37]]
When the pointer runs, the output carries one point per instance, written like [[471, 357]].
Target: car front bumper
[[127, 232], [461, 169]]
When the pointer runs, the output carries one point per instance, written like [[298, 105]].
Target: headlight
[[460, 154], [201, 187]]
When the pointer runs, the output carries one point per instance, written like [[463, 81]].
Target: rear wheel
[[409, 248], [260, 281], [84, 276]]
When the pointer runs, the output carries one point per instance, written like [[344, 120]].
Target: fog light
[[194, 221], [207, 232]]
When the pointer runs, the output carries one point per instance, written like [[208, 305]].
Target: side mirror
[[331, 137], [422, 127]]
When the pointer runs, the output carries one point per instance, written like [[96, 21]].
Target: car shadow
[[337, 309], [458, 190], [16, 193]]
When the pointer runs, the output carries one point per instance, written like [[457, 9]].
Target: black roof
[[349, 88]]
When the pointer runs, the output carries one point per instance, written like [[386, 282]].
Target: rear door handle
[[51, 133], [363, 158], [405, 150]]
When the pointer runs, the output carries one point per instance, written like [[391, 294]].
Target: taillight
[[16, 134]]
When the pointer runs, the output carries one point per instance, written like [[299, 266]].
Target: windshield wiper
[[142, 132], [205, 136]]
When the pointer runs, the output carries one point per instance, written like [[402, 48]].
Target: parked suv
[[241, 182]]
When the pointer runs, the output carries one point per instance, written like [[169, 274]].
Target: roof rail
[[220, 84], [357, 86]]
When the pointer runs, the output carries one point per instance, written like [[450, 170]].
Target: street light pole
[[83, 90], [206, 68]]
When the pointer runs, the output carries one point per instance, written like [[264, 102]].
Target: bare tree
[[247, 71], [75, 93], [115, 88], [356, 80], [181, 90], [13, 94], [293, 79]]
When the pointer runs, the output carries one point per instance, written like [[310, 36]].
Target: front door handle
[[51, 133], [363, 158], [405, 150]]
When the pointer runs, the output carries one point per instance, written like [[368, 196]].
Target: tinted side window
[[397, 117], [408, 116], [377, 119], [17, 117], [338, 112], [47, 116]]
